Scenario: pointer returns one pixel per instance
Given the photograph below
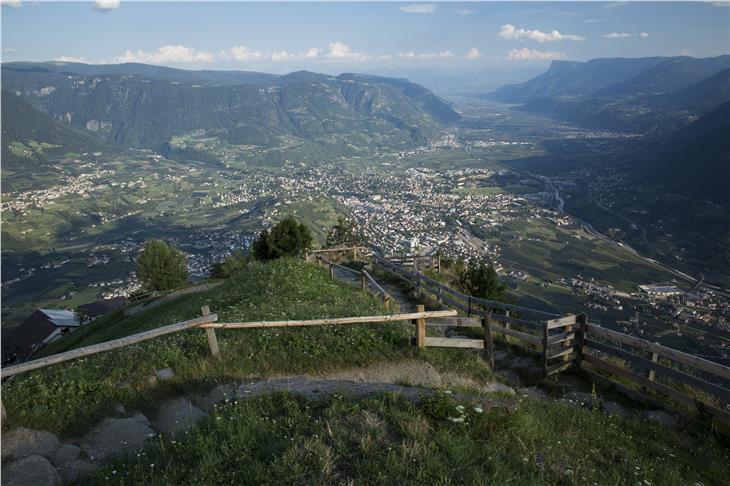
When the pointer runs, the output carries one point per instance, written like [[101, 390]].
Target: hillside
[[30, 138], [647, 95], [143, 106], [300, 429]]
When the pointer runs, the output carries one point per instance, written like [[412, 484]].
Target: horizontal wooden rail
[[530, 338], [562, 322], [372, 281], [343, 267], [456, 322], [670, 353], [332, 321], [106, 346], [454, 343], [673, 373]]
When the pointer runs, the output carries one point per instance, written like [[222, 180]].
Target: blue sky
[[366, 37]]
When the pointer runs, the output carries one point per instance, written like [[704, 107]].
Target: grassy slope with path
[[281, 437]]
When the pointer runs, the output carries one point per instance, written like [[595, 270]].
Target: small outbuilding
[[40, 328]]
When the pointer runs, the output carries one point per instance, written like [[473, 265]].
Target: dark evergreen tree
[[479, 279], [161, 266], [231, 266], [287, 238], [344, 233]]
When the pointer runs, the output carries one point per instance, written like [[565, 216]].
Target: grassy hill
[[379, 439]]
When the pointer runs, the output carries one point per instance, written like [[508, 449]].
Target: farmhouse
[[42, 327]]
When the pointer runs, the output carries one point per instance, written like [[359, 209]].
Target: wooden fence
[[208, 322], [366, 280], [656, 372]]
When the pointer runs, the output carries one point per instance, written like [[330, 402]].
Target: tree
[[480, 280], [287, 238], [344, 233], [161, 266]]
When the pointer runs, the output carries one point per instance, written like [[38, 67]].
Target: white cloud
[[80, 59], [473, 53], [526, 54], [624, 35], [9, 50], [421, 8], [594, 21], [168, 54], [281, 56], [684, 52], [426, 55], [106, 5], [465, 11], [510, 32], [242, 54], [11, 3], [721, 4], [341, 51], [313, 53]]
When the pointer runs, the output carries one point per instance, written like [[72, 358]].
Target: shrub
[[161, 266], [287, 238]]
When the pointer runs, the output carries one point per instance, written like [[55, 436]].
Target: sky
[[385, 37]]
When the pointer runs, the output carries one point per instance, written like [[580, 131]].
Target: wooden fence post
[[468, 310], [488, 343], [386, 301], [354, 253], [651, 375], [582, 321], [438, 269], [507, 338], [421, 328], [332, 272], [362, 281], [4, 414], [210, 332]]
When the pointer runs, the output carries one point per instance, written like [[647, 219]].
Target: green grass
[[285, 439], [70, 397]]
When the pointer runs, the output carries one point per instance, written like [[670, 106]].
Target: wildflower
[[478, 409]]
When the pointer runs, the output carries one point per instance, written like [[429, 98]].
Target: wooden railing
[[499, 317], [363, 275], [657, 372], [209, 323]]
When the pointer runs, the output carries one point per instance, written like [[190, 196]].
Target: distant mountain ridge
[[135, 105], [654, 94]]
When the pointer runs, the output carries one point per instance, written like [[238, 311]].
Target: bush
[[233, 265], [287, 238], [480, 280], [344, 233], [161, 266]]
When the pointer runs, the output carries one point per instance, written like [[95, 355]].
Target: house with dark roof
[[99, 308], [40, 328]]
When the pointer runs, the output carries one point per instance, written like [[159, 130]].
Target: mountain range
[[140, 106], [643, 95]]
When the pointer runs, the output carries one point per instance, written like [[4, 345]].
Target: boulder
[[65, 454], [614, 408], [22, 442], [116, 436], [177, 416], [497, 387], [74, 470], [165, 374], [30, 471]]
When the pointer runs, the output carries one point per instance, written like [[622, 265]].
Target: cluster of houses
[[47, 325]]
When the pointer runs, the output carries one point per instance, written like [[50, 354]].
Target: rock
[[533, 392], [65, 454], [115, 436], [497, 387], [23, 442], [165, 374], [152, 380], [74, 470], [659, 416], [511, 376], [30, 471], [614, 408], [522, 363], [177, 416], [119, 409], [141, 418], [582, 399], [500, 356], [214, 397]]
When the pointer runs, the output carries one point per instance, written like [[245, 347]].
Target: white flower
[[478, 409], [460, 408], [457, 420]]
